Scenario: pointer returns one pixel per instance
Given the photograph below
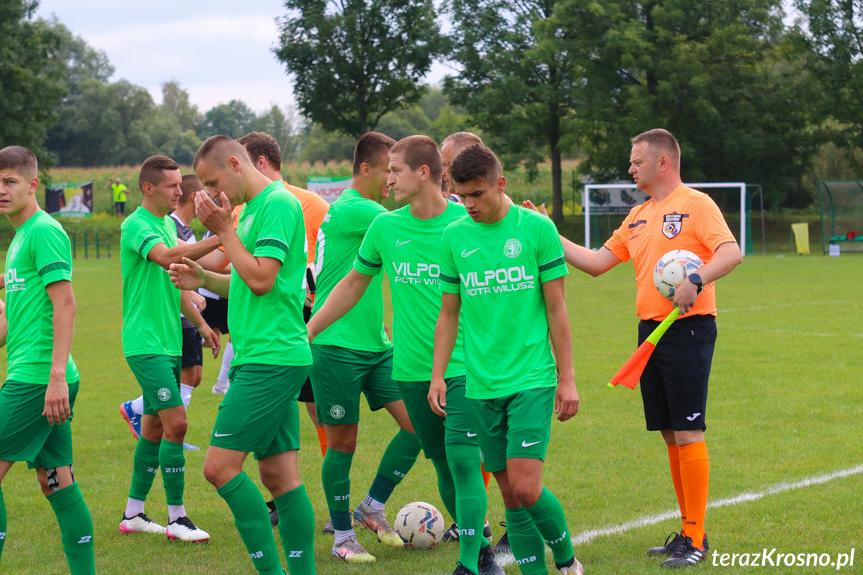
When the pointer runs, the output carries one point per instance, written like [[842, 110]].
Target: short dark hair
[[153, 170], [420, 151], [222, 147], [19, 159], [660, 140], [475, 163], [262, 144], [371, 149], [190, 185]]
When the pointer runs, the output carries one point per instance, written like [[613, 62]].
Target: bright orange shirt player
[[674, 382], [314, 210]]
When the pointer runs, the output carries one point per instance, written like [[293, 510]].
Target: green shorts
[[25, 434], [340, 375], [159, 378], [436, 432], [259, 413], [514, 426]]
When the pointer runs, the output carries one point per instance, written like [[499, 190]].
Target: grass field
[[785, 406]]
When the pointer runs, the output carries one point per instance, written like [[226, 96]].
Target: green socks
[[399, 457], [470, 500], [173, 464], [548, 515], [253, 522], [297, 528], [76, 529], [445, 485], [527, 545], [144, 468], [2, 522], [336, 478]]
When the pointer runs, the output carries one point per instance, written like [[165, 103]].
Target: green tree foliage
[[233, 119], [32, 75], [356, 60], [716, 74], [175, 103], [519, 80], [283, 125], [832, 33]]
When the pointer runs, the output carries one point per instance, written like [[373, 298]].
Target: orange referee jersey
[[314, 210], [685, 220]]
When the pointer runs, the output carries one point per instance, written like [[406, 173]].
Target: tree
[[519, 80], [356, 60], [716, 74], [284, 126], [82, 61], [233, 119], [831, 34], [31, 77], [175, 102]]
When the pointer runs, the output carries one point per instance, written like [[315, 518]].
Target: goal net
[[606, 205], [841, 215]]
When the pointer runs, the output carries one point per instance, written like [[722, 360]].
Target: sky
[[215, 50]]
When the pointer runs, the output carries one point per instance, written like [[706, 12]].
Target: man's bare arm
[[343, 298], [165, 256], [62, 298]]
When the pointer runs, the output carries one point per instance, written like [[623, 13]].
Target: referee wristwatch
[[696, 279]]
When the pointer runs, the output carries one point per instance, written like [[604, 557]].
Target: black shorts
[[306, 393], [193, 349], [216, 314], [674, 382]]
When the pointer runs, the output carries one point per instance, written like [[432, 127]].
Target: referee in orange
[[674, 383]]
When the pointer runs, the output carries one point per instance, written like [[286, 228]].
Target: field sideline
[[785, 406]]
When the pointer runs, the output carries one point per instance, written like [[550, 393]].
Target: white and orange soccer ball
[[672, 269], [420, 525]]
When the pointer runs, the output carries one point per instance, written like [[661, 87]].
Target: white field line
[[587, 536], [724, 327]]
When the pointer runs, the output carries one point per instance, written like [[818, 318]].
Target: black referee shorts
[[674, 382], [216, 314], [193, 349]]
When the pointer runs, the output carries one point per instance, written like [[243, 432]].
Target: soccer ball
[[420, 525], [672, 269]]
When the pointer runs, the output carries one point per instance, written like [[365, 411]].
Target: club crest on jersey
[[672, 224], [512, 248]]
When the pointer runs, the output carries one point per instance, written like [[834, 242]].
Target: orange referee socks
[[322, 439], [485, 476], [695, 477], [674, 464]]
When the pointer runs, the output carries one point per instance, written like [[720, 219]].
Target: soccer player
[[503, 270], [406, 244], [152, 340], [674, 382], [38, 397], [267, 158], [259, 413], [191, 366], [449, 149], [354, 356]]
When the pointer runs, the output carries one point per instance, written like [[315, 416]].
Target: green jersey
[[269, 329], [339, 239], [408, 249], [39, 255], [498, 270], [151, 303]]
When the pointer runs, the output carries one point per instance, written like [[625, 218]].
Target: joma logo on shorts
[[530, 559]]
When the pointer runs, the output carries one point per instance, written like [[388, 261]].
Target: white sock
[[138, 405], [175, 512], [342, 536], [227, 356], [373, 504], [186, 394], [133, 508]]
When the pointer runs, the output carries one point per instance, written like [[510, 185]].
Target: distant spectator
[[118, 192]]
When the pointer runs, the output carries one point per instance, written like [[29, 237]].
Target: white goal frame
[[585, 200]]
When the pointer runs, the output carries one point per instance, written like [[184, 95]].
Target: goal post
[[841, 204], [621, 198]]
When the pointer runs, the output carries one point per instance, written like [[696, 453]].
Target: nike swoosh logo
[[526, 444], [464, 253], [401, 243], [469, 434], [222, 434], [693, 416]]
